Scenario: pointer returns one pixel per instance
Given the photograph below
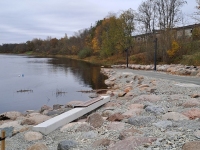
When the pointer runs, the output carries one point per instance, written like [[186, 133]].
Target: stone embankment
[[144, 114], [172, 69]]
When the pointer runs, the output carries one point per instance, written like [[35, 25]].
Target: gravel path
[[145, 113]]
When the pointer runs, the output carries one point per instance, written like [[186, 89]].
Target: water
[[27, 83]]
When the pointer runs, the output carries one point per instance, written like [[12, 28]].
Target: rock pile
[[172, 69], [144, 114]]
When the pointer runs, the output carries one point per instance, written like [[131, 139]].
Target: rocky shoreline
[[144, 114], [176, 69]]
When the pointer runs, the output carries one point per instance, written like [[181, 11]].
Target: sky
[[23, 20]]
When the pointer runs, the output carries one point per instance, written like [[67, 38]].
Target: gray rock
[[141, 120], [155, 109], [94, 95], [56, 106], [95, 120], [8, 131], [67, 145], [163, 124], [89, 135]]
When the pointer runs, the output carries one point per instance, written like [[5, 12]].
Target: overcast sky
[[23, 20]]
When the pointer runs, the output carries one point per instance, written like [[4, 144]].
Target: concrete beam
[[62, 119]]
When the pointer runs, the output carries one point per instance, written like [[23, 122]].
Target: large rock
[[37, 118], [141, 120], [73, 103], [112, 104], [67, 145], [101, 142], [95, 120], [163, 124], [45, 107], [131, 143], [155, 109], [133, 112], [118, 126], [84, 127], [33, 136], [193, 113], [89, 135], [15, 124], [128, 132], [136, 106], [69, 126], [116, 117], [174, 116], [194, 145], [38, 146], [12, 114], [193, 102]]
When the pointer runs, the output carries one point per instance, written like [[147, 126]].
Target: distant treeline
[[113, 35]]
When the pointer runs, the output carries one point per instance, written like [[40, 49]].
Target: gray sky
[[23, 20]]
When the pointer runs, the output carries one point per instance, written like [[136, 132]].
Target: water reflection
[[87, 74]]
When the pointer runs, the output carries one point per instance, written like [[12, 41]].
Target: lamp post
[[155, 53], [126, 50]]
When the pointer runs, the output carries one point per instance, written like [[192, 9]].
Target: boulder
[[116, 117], [141, 120], [118, 126], [107, 113], [84, 127], [174, 116], [45, 107], [56, 106], [33, 136], [112, 104], [194, 145], [95, 120], [67, 145], [15, 124], [131, 143], [12, 114], [155, 109], [163, 124], [101, 142], [136, 106], [133, 112], [193, 113], [38, 146], [128, 132], [38, 118], [89, 135], [191, 103], [73, 103]]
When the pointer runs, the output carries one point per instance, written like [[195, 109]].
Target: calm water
[[44, 79]]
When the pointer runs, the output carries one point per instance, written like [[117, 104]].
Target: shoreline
[[144, 113]]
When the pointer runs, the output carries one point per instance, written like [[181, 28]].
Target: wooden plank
[[89, 102]]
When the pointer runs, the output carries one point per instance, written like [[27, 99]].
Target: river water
[[27, 83]]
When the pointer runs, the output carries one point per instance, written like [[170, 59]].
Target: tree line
[[112, 35]]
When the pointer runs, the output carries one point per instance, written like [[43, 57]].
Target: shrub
[[85, 52]]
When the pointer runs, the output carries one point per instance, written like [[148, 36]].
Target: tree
[[128, 27], [168, 12], [146, 15]]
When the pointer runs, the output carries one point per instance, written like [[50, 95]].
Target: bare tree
[[146, 15], [169, 12]]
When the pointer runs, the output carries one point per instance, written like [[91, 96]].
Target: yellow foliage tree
[[174, 49]]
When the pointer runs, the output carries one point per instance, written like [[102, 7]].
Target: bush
[[86, 52]]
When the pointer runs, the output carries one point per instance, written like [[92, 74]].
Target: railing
[[2, 139]]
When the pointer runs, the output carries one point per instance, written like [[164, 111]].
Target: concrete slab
[[187, 85], [60, 120]]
